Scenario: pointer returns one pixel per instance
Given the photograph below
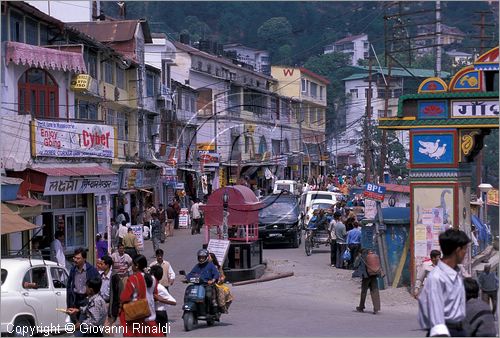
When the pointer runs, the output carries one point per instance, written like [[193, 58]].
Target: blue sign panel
[[433, 149], [374, 192]]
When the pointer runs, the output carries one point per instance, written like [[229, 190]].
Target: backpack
[[373, 264]]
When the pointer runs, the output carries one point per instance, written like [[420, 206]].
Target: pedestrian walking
[[131, 243], [479, 320], [196, 217], [341, 234], [163, 299], [57, 249], [93, 313], [177, 208], [168, 273], [354, 243], [333, 240], [427, 267], [488, 282], [155, 231], [140, 285], [79, 275], [101, 245], [170, 219], [122, 262], [369, 269], [442, 300], [163, 219], [122, 232]]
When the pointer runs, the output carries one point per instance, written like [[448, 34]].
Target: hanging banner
[[69, 139]]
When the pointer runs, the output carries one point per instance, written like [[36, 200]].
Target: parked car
[[32, 290], [279, 220]]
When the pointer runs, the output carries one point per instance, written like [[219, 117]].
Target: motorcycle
[[195, 304]]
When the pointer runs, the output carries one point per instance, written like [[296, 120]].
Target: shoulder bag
[[138, 309]]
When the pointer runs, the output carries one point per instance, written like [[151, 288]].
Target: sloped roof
[[349, 38], [355, 77], [113, 31], [401, 72], [222, 60], [314, 75]]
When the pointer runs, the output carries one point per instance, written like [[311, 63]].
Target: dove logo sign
[[374, 192], [433, 149]]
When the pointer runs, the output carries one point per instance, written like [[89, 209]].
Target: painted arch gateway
[[447, 123]]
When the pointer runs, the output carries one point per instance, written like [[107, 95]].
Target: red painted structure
[[243, 208]]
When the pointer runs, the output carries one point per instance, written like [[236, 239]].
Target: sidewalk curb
[[264, 279]]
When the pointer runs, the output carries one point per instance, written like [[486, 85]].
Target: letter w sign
[[288, 72]]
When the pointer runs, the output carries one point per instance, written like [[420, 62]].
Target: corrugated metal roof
[[29, 202], [396, 187], [314, 75], [10, 180], [112, 31], [401, 72], [349, 38], [355, 77], [74, 171]]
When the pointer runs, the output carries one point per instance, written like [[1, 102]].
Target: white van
[[307, 198], [288, 185]]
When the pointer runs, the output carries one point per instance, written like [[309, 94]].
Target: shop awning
[[11, 222], [46, 58], [27, 202], [75, 171]]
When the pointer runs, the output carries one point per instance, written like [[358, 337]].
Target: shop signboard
[[374, 192], [70, 139], [220, 248], [139, 178], [65, 185], [184, 218], [209, 159], [492, 197]]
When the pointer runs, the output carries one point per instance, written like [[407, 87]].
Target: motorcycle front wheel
[[188, 321]]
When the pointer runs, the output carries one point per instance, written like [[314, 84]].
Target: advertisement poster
[[137, 229], [184, 218], [220, 248]]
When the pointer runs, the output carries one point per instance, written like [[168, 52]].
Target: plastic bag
[[346, 256]]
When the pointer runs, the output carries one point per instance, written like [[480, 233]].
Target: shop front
[[72, 194]]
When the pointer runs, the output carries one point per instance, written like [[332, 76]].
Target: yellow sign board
[[205, 146], [222, 177], [492, 198], [80, 82]]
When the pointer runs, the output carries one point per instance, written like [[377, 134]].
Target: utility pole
[[438, 39], [301, 148], [368, 117]]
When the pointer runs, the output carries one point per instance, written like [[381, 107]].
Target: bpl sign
[[374, 192]]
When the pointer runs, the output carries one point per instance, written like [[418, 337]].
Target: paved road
[[317, 301]]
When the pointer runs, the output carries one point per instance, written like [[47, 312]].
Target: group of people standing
[[448, 301], [96, 295]]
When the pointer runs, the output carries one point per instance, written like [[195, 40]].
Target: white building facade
[[356, 46]]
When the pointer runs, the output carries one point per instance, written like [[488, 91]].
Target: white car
[[32, 290]]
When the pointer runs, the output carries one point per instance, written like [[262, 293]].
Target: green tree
[[275, 31], [197, 29]]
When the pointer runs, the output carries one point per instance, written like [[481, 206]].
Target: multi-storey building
[[347, 146], [426, 38], [56, 134], [307, 92], [258, 59], [356, 46], [236, 119]]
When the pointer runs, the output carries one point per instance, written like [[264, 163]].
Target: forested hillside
[[304, 28]]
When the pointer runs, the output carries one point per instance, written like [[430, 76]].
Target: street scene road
[[318, 300]]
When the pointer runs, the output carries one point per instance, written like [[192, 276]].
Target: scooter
[[195, 305]]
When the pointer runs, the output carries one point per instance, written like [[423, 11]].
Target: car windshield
[[283, 187], [4, 275], [322, 197], [321, 206], [279, 209]]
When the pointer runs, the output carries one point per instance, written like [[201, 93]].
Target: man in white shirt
[[163, 299], [122, 231], [168, 273], [427, 267], [442, 300], [57, 249], [196, 216]]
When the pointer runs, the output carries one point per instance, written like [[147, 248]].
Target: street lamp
[[225, 200], [485, 187]]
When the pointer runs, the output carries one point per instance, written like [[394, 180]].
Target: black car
[[279, 220]]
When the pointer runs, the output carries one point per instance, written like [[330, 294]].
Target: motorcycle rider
[[208, 273]]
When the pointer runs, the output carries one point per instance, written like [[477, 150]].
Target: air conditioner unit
[[165, 93]]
